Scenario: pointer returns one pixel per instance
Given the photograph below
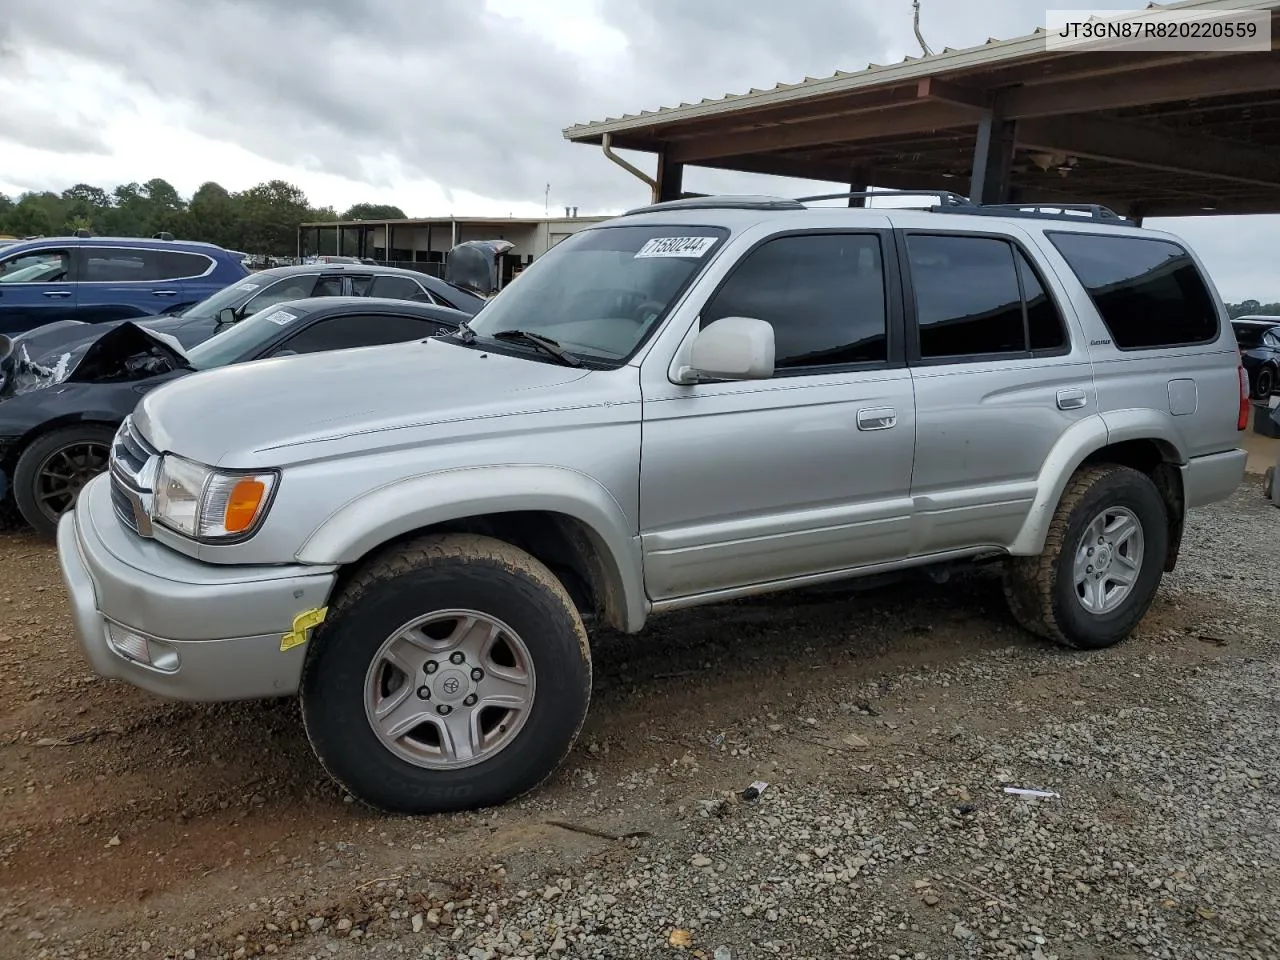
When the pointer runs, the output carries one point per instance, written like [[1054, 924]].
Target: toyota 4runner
[[696, 401]]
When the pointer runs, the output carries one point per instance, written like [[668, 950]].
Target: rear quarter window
[[1148, 291]]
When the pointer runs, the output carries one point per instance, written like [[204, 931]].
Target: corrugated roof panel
[[988, 53]]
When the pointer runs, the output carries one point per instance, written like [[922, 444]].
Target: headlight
[[208, 504]]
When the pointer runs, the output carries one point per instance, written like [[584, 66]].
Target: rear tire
[[1110, 525], [52, 470], [453, 672], [1264, 384]]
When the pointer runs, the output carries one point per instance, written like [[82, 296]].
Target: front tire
[[451, 673], [54, 468], [1102, 562]]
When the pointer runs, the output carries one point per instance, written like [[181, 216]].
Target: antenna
[[916, 25]]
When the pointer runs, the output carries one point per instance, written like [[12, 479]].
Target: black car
[[56, 423], [1259, 341], [46, 345]]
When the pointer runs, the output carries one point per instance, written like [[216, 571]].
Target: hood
[[245, 414], [125, 352], [48, 344]]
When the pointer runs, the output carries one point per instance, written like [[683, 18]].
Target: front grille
[[123, 504], [132, 466]]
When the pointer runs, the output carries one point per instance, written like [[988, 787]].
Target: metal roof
[[1149, 133], [992, 53]]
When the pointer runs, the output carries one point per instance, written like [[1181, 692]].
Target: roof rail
[[1043, 211], [721, 203], [946, 197]]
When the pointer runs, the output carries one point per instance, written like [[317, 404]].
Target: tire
[[1264, 384], [1042, 591], [83, 449], [1269, 485], [346, 680]]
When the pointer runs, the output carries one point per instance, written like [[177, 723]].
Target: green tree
[[37, 214], [6, 208], [213, 216], [86, 207], [270, 214], [374, 211]]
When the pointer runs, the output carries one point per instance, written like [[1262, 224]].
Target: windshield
[[232, 296], [246, 336], [602, 291]]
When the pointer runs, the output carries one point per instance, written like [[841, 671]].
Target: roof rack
[[946, 202], [946, 197], [1045, 211], [721, 203]]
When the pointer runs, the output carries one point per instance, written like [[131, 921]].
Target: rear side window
[[104, 265], [823, 294], [979, 296], [397, 288], [171, 265], [1148, 292]]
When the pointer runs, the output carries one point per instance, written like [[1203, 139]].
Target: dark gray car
[[48, 344]]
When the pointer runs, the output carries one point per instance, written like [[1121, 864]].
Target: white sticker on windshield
[[282, 317], [676, 247]]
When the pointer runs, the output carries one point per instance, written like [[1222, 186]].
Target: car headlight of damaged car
[[208, 504]]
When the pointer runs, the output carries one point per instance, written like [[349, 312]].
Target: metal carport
[[1146, 133]]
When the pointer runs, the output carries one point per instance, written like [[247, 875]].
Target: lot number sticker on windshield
[[676, 247], [282, 317]]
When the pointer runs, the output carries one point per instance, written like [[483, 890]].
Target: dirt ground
[[131, 826]]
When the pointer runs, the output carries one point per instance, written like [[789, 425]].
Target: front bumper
[[214, 632], [1212, 478]]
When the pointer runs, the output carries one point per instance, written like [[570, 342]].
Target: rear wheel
[[54, 468], [1269, 486], [1102, 563], [452, 673], [1264, 384]]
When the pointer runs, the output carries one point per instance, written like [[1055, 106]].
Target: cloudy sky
[[449, 106]]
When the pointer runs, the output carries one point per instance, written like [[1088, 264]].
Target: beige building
[[419, 243]]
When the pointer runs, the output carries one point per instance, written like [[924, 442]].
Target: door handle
[[56, 294], [877, 418], [1071, 399], [164, 293]]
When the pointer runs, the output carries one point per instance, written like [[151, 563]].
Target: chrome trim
[[133, 466]]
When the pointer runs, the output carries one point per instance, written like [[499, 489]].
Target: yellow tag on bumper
[[302, 624]]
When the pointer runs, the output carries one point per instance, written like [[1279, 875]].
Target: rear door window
[[1148, 291], [980, 297], [114, 265]]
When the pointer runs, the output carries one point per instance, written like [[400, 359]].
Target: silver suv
[[697, 401]]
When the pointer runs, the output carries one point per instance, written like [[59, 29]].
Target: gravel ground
[[885, 724]]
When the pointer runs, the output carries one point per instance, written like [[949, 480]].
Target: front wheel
[[52, 470], [1102, 562], [452, 673]]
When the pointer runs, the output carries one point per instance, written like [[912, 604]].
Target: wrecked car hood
[[123, 353]]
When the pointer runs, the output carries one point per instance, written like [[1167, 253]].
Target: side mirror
[[732, 348], [227, 315]]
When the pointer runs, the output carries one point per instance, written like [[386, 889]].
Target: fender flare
[[1080, 441], [362, 525]]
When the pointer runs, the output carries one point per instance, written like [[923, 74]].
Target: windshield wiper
[[545, 344], [464, 333]]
